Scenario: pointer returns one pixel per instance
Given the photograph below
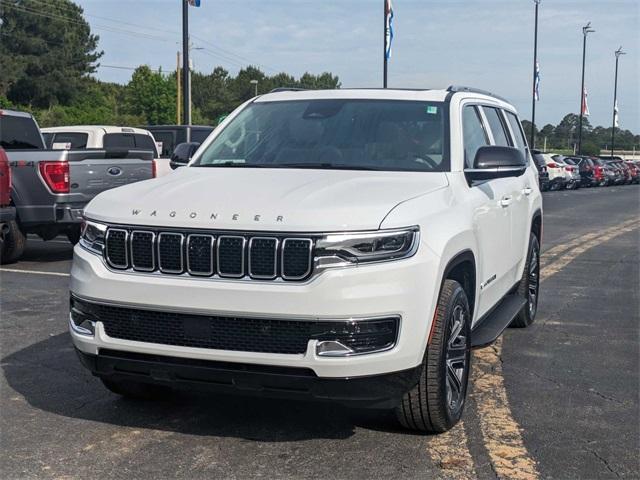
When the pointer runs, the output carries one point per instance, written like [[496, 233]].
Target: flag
[[194, 3], [585, 106], [616, 120], [388, 29], [536, 88]]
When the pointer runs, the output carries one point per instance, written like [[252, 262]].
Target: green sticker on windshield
[[432, 110]]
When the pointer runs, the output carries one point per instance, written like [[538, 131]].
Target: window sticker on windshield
[[432, 110]]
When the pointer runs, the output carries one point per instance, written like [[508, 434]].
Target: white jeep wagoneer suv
[[344, 245]]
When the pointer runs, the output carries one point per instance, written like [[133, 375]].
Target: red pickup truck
[[10, 245]]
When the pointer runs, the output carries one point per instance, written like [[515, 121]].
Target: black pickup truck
[[51, 187]]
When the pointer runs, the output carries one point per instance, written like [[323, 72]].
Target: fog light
[[353, 337], [81, 322]]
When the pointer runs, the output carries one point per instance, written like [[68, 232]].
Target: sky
[[481, 43]]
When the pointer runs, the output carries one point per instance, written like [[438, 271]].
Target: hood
[[263, 199]]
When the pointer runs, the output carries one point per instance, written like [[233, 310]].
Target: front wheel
[[529, 286], [14, 244], [436, 403]]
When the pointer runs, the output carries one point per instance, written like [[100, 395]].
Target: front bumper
[[377, 391], [405, 288]]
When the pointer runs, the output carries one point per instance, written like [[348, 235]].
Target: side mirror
[[496, 162], [182, 154]]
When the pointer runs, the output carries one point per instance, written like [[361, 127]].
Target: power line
[[215, 50]]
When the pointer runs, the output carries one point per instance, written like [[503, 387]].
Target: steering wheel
[[428, 160], [233, 144]]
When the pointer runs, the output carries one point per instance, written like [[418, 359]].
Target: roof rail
[[287, 89], [462, 88]]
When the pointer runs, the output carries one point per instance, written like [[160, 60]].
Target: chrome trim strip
[[153, 253], [213, 245], [275, 258], [168, 270], [126, 248], [244, 247], [309, 259]]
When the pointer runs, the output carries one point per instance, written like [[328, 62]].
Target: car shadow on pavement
[[47, 252], [50, 378]]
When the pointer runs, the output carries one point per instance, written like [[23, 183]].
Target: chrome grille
[[203, 254]]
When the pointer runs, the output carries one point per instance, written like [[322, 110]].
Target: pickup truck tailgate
[[96, 171]]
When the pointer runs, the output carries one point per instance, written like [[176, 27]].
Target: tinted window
[[76, 139], [496, 125], [18, 133], [47, 139], [118, 140], [145, 142], [328, 134], [200, 135], [473, 134], [516, 128], [166, 138]]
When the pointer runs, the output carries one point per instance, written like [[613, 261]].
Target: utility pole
[[535, 74], [178, 88], [615, 99], [585, 31], [186, 84]]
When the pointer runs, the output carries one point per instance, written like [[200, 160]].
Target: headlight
[[351, 248], [92, 236]]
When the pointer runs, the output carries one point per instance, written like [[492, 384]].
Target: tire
[[430, 406], [529, 286], [73, 234], [14, 244], [136, 390]]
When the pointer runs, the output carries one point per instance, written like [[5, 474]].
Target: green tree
[[44, 52], [151, 95]]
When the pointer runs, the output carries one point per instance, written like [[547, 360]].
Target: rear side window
[[200, 135], [474, 135], [166, 139], [516, 128], [19, 133], [74, 139], [497, 126], [129, 140]]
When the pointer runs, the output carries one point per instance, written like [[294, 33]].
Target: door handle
[[506, 201], [527, 190]]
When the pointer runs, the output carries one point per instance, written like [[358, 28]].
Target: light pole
[[255, 87], [585, 31], [186, 84], [615, 99], [535, 74]]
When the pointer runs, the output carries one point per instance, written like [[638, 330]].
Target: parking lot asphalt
[[556, 400]]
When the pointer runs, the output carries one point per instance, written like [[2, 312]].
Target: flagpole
[[533, 91], [615, 99], [186, 86], [585, 30], [384, 44]]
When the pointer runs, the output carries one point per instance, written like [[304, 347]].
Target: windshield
[[333, 134]]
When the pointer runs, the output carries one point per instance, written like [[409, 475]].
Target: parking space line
[[34, 272]]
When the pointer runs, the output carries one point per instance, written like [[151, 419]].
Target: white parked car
[[344, 245], [103, 136], [571, 172], [558, 175]]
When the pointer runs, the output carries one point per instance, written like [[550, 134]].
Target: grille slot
[[263, 257], [170, 252], [116, 248], [296, 258], [231, 256], [200, 254], [142, 251], [204, 254]]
